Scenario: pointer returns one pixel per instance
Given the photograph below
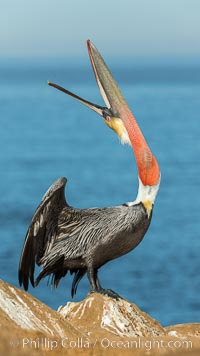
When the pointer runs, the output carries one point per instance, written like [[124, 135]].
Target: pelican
[[61, 238]]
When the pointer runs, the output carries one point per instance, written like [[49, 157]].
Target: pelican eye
[[107, 117], [108, 114]]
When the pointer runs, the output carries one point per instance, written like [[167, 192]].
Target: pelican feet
[[96, 286], [108, 293]]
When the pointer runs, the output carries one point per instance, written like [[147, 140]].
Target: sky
[[59, 28]]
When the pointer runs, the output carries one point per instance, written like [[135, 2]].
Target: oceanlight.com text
[[104, 343]]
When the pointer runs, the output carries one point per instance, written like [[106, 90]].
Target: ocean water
[[45, 135]]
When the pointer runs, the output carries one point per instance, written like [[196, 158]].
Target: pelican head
[[118, 117]]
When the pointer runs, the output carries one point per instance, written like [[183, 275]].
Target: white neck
[[146, 193]]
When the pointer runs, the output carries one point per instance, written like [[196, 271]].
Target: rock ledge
[[98, 325]]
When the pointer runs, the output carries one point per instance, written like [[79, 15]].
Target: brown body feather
[[62, 238]]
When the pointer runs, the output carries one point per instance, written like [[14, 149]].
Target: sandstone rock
[[100, 315], [181, 330], [27, 325], [98, 325], [26, 312]]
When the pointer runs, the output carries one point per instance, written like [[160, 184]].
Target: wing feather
[[42, 231]]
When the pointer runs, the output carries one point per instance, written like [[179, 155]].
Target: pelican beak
[[118, 117], [98, 109], [102, 111], [110, 93], [107, 85]]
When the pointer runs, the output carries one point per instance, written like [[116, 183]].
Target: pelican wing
[[42, 232]]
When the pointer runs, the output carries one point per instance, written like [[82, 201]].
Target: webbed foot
[[108, 292]]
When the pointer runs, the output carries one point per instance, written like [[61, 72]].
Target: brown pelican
[[61, 238]]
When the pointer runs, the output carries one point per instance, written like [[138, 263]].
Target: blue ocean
[[45, 135]]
